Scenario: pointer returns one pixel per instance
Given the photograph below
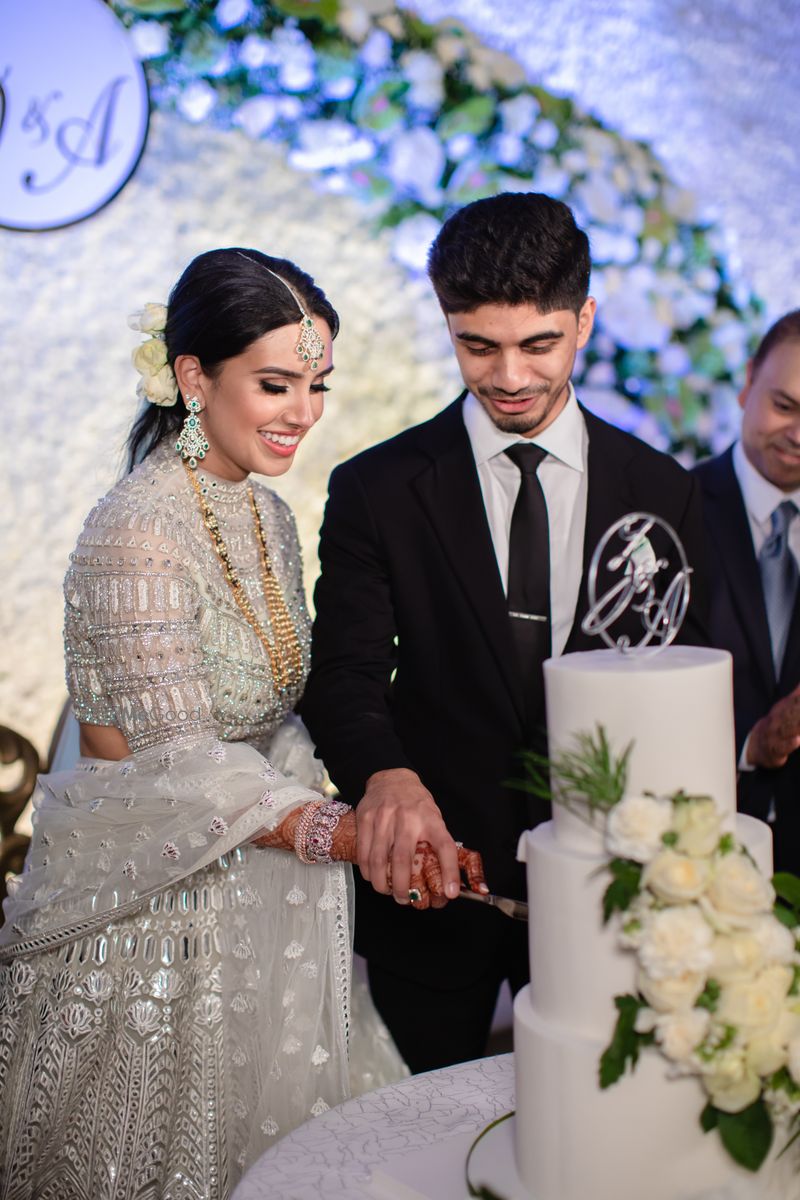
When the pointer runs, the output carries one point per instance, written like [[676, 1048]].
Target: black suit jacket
[[413, 663], [738, 623]]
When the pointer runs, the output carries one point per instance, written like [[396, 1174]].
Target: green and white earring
[[192, 443]]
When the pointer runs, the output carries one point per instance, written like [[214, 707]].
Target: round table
[[408, 1140]]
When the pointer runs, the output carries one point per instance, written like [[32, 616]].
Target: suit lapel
[[449, 491], [726, 517]]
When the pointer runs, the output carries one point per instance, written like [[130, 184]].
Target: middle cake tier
[[577, 966]]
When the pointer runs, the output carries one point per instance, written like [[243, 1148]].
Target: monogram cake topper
[[626, 556]]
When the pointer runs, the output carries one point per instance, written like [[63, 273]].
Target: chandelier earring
[[192, 443]]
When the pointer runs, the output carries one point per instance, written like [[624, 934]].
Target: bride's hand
[[284, 836], [427, 888]]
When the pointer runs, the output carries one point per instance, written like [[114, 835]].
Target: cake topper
[[626, 555]]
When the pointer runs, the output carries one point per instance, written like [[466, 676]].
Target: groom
[[454, 560]]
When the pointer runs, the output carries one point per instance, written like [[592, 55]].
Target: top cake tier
[[675, 706]]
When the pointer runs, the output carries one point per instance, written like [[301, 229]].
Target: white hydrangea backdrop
[[714, 86]]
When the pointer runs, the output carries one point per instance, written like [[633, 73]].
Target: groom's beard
[[537, 407]]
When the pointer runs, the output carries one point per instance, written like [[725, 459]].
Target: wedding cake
[[640, 1137]]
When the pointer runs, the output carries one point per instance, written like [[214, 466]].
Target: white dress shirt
[[761, 498], [564, 481]]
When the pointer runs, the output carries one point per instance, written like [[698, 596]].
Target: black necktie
[[529, 575]]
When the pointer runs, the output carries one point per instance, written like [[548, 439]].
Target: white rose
[[775, 939], [676, 940], [393, 26], [635, 827], [755, 1004], [697, 824], [151, 319], [676, 877], [738, 957], [160, 389], [494, 66], [675, 994], [150, 357], [731, 1084], [679, 1034], [738, 887], [450, 48], [646, 1020], [767, 1052]]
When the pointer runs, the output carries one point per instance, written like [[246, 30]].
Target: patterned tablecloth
[[406, 1141]]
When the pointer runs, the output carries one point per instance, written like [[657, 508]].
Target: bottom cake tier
[[641, 1138], [638, 1140]]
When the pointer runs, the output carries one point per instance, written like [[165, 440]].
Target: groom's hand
[[394, 815]]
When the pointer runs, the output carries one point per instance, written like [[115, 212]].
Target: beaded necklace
[[285, 655]]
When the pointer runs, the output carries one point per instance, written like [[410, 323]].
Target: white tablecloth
[[406, 1140]]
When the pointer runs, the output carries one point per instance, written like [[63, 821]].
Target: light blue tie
[[779, 577]]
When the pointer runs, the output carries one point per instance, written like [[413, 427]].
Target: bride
[[175, 960]]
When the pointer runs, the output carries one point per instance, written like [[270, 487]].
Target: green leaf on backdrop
[[376, 107], [473, 116], [155, 8], [309, 10]]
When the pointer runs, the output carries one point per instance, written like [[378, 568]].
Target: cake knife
[[512, 908]]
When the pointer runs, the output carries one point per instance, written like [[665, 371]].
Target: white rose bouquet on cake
[[717, 947]]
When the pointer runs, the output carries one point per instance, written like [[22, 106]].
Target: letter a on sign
[[74, 111]]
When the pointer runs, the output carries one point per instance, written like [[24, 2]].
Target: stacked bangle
[[313, 837]]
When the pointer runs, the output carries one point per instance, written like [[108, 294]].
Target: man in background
[[751, 497]]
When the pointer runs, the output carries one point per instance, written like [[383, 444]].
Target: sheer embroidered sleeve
[[133, 633]]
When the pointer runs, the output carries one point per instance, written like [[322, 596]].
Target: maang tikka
[[192, 443], [311, 346]]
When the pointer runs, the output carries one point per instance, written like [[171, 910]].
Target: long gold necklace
[[285, 655]]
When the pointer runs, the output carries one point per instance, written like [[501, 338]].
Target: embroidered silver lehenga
[[172, 999]]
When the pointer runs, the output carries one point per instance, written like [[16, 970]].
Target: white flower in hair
[[158, 384], [151, 319]]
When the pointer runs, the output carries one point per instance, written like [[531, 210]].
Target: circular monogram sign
[[74, 111], [629, 580]]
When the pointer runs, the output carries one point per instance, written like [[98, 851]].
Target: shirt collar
[[564, 438], [761, 497]]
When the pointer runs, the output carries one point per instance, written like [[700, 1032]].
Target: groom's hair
[[516, 248], [785, 329]]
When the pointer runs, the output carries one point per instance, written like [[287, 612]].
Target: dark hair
[[785, 329], [516, 248], [223, 302]]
